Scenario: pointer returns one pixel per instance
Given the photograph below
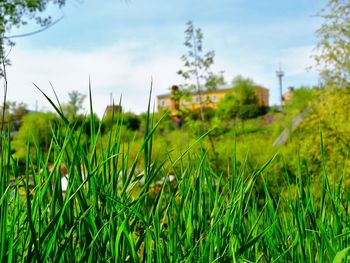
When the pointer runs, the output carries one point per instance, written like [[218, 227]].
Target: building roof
[[221, 88]]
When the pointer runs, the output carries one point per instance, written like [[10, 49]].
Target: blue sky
[[122, 45]]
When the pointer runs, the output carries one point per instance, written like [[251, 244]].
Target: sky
[[125, 46]]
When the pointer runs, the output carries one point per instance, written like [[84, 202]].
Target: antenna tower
[[280, 75]]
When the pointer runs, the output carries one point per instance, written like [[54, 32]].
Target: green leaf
[[341, 255]]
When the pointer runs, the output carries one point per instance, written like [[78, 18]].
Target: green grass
[[205, 216]]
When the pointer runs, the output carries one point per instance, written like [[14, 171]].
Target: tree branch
[[35, 32]]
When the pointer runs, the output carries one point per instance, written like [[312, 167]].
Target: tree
[[196, 69], [242, 103], [244, 90], [214, 80], [14, 110], [300, 100], [334, 44], [329, 114], [12, 115], [74, 105], [130, 120], [18, 13]]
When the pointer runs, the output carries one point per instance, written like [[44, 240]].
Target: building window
[[162, 103], [214, 98], [196, 99]]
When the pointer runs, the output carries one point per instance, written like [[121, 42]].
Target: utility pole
[[280, 75]]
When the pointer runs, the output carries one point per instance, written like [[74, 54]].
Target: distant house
[[210, 99], [113, 109], [287, 95]]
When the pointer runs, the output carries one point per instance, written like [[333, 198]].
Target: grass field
[[107, 214]]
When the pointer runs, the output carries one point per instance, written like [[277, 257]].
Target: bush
[[36, 129]]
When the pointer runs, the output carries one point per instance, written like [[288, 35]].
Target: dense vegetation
[[123, 204]]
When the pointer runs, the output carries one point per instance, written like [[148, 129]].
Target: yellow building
[[210, 99]]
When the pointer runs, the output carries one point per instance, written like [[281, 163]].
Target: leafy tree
[[20, 12], [197, 75], [300, 100], [197, 66], [214, 80], [12, 114], [334, 43], [129, 119], [244, 90], [228, 107], [74, 105], [330, 114], [17, 109], [242, 103], [14, 110]]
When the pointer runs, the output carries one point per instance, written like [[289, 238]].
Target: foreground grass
[[107, 214]]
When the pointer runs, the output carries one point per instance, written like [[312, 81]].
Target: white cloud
[[297, 60], [127, 69], [119, 69]]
